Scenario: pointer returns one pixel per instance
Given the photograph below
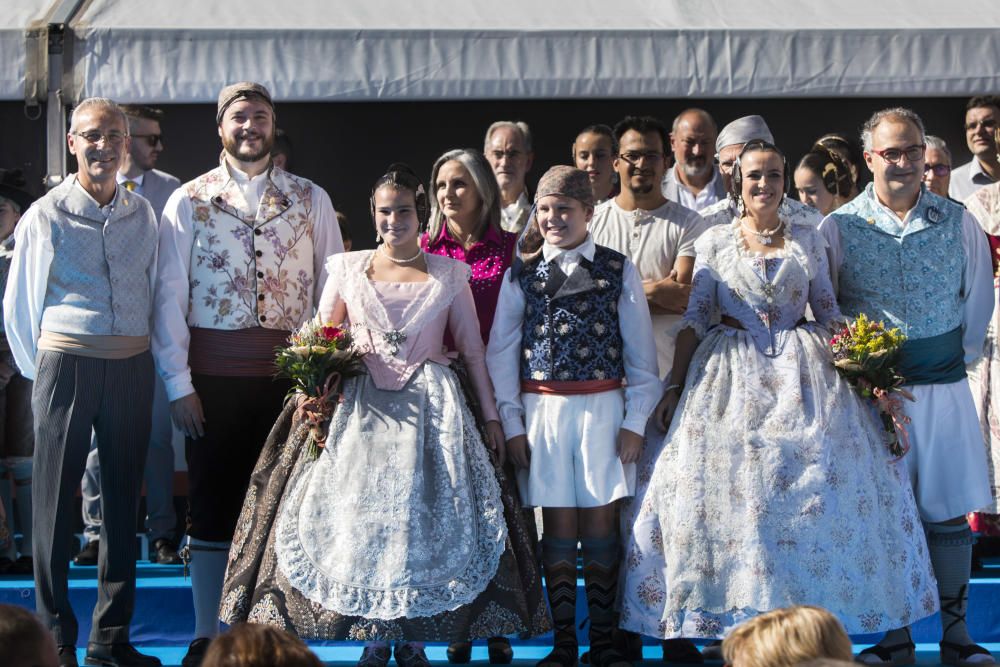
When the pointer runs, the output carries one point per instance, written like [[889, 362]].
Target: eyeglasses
[[986, 124], [151, 139], [894, 155], [112, 138], [634, 157], [938, 169]]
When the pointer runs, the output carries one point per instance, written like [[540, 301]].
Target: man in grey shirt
[[77, 310]]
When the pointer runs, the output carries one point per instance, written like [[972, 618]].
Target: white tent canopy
[[345, 50], [15, 19]]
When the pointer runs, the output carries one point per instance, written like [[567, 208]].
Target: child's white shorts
[[572, 439]]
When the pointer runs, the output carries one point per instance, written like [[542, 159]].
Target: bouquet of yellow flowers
[[865, 354], [317, 358]]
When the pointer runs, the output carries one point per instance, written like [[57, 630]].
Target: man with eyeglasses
[[243, 252], [77, 310], [730, 143], [982, 115], [137, 174], [694, 180], [658, 235], [918, 261], [508, 149]]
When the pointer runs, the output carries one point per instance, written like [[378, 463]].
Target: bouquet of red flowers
[[317, 358], [865, 354]]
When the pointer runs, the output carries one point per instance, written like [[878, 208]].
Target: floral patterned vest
[[910, 276], [570, 331], [251, 271]]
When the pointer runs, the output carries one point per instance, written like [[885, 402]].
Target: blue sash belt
[[936, 360]]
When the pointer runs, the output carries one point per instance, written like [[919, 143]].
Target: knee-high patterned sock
[[559, 561], [601, 558], [950, 549]]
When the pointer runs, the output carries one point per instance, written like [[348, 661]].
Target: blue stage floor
[[163, 619]]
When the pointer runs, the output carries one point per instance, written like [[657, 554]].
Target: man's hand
[[188, 416], [7, 373], [667, 295], [496, 441], [629, 446], [517, 449]]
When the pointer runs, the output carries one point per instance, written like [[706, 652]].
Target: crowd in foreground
[[799, 636], [646, 361]]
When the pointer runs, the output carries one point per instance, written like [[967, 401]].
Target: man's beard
[[232, 147], [643, 189], [695, 171]]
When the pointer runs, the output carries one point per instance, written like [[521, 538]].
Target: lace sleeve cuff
[[699, 327]]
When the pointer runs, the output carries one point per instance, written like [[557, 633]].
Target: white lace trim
[[490, 535], [448, 277]]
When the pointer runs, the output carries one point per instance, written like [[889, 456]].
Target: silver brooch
[[394, 339]]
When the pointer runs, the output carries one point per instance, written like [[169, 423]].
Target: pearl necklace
[[392, 259], [764, 237]]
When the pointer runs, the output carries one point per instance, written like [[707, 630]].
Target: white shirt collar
[[106, 210], [121, 178], [511, 211], [906, 218], [585, 250], [242, 177]]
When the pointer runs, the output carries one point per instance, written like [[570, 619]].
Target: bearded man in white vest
[[242, 251]]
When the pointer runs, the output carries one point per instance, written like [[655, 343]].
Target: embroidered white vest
[[251, 271]]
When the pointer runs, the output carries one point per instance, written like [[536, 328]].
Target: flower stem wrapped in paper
[[318, 357], [865, 353]]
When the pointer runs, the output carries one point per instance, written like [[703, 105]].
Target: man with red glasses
[[981, 117], [918, 261], [138, 175]]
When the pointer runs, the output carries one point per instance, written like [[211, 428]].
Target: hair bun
[[400, 168]]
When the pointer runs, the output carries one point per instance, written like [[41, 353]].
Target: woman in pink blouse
[[396, 532], [465, 225]]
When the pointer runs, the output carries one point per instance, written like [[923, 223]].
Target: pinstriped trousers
[[73, 395]]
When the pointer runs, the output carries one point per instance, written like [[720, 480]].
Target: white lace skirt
[[774, 488], [984, 380], [401, 514]]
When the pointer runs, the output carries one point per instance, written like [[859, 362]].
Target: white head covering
[[742, 130]]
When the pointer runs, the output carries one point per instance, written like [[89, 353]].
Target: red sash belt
[[569, 387]]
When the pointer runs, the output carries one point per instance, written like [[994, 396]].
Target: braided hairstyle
[[400, 176]]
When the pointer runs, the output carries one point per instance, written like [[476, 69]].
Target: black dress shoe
[[459, 653], [682, 651], [118, 655], [499, 651], [67, 656], [88, 555], [196, 652], [164, 553], [23, 565]]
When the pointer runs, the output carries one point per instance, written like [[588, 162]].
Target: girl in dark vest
[[573, 362]]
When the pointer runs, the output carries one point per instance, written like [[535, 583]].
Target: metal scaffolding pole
[[59, 39]]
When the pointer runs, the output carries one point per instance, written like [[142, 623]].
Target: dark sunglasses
[[151, 139]]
